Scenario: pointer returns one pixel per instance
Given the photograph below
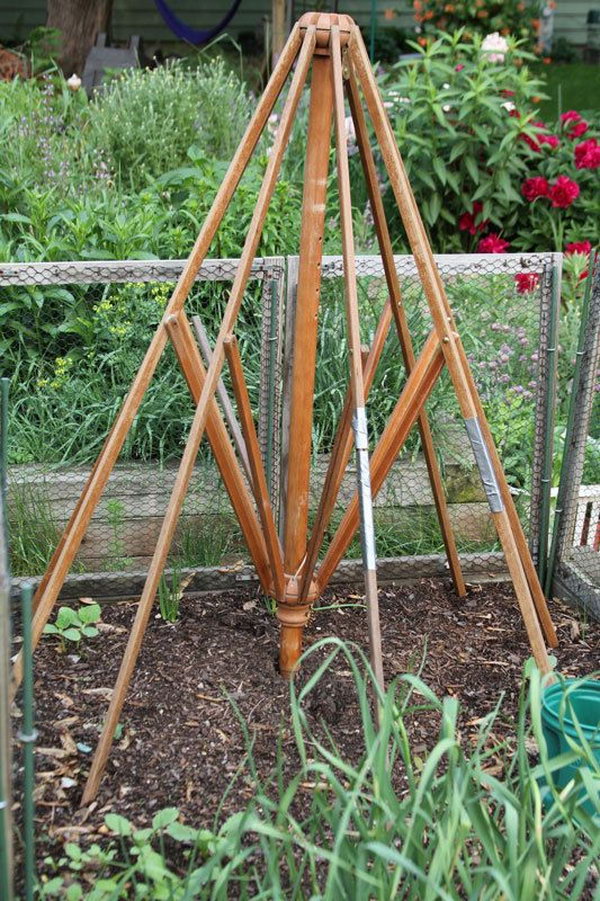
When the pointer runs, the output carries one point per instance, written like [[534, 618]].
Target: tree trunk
[[79, 21]]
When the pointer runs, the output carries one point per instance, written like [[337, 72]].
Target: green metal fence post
[[6, 838], [27, 736], [549, 419], [566, 460]]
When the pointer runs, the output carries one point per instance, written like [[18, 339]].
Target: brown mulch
[[180, 740]]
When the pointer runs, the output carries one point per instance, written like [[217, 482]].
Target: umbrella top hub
[[323, 23]]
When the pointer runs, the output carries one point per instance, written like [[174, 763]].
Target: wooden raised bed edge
[[478, 568]]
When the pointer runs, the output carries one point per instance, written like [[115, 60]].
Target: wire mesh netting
[[577, 520], [78, 333], [504, 310]]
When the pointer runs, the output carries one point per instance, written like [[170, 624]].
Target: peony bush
[[488, 174]]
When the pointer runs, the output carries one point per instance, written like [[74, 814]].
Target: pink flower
[[578, 247], [467, 223], [459, 67], [493, 244], [551, 140], [578, 130], [587, 154], [563, 192], [570, 116], [534, 187], [526, 282]]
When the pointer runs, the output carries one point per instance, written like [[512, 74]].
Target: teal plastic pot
[[562, 703]]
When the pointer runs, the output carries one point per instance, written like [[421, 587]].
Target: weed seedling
[[73, 625]]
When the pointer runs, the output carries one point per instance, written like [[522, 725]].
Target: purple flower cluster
[[508, 363]]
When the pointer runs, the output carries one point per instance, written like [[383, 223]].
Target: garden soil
[[180, 741]]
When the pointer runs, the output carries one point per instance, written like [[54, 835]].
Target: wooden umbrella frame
[[332, 46]]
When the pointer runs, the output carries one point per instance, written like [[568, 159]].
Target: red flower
[[526, 282], [578, 130], [570, 116], [563, 192], [587, 154], [578, 247], [551, 140], [506, 93], [467, 223], [532, 142], [534, 187], [493, 244]]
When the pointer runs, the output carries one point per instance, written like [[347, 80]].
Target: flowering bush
[[561, 191], [488, 174], [492, 17], [465, 151]]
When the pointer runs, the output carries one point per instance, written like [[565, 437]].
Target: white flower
[[509, 105], [495, 46], [74, 82], [350, 130], [446, 107]]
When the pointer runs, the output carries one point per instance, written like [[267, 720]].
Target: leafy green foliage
[[71, 626], [482, 822], [451, 116]]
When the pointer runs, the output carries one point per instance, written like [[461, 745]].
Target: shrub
[[464, 152], [488, 175], [145, 120], [515, 17]]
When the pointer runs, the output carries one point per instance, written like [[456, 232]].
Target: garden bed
[[180, 740]]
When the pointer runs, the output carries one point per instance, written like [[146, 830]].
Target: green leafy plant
[[170, 593], [71, 626], [465, 154], [477, 818], [116, 546]]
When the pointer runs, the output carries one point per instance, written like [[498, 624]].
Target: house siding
[[141, 17]]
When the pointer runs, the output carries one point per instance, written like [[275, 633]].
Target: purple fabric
[[193, 35]]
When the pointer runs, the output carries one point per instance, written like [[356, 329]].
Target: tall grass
[[390, 824]]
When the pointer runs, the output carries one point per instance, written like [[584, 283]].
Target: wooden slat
[[204, 403], [316, 170], [259, 479], [357, 388], [508, 530]]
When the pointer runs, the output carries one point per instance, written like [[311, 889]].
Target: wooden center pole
[[293, 616]]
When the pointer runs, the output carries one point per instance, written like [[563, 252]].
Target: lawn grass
[[570, 86]]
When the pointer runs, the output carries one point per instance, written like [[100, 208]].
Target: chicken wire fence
[[76, 334], [506, 307], [574, 568]]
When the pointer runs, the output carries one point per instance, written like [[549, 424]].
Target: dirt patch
[[180, 739]]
